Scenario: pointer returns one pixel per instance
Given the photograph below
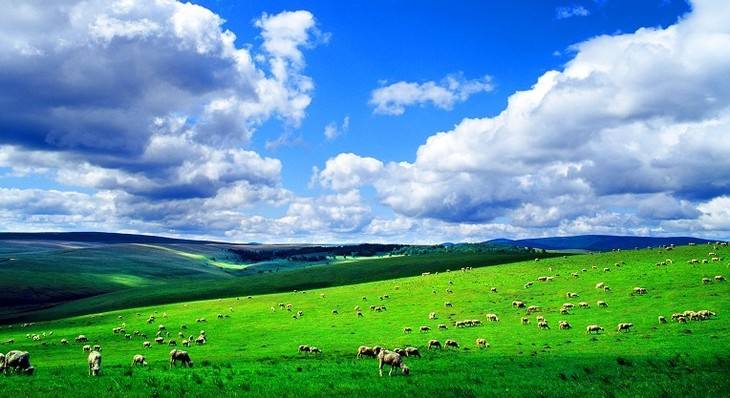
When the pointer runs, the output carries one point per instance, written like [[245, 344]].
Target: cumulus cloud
[[631, 132], [151, 103], [571, 11], [332, 130], [394, 98]]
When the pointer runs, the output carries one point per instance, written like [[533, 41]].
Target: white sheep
[[94, 363]]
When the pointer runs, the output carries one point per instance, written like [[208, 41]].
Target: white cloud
[[571, 11], [636, 120], [332, 131], [394, 98]]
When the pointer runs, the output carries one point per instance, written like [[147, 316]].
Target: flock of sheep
[[18, 362]]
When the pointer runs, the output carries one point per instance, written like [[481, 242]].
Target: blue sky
[[446, 121]]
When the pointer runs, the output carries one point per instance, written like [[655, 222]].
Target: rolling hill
[[251, 347], [597, 242]]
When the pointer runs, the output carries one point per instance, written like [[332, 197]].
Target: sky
[[366, 121]]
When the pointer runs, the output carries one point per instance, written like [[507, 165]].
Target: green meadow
[[252, 349]]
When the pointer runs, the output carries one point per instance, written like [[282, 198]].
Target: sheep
[[493, 290], [448, 304], [600, 285], [639, 290], [185, 343], [81, 339], [533, 308], [528, 284], [407, 329], [393, 360], [492, 318], [681, 319], [442, 326], [568, 305], [159, 340], [525, 320], [539, 318], [315, 350], [593, 328], [624, 327], [543, 325], [64, 342], [706, 281], [564, 311], [172, 343], [583, 304], [365, 351], [434, 344], [564, 325], [602, 304], [304, 348], [146, 344], [662, 319], [606, 269], [451, 343], [720, 278], [139, 360], [182, 356], [482, 343], [571, 295], [424, 328], [96, 347], [200, 340], [518, 304], [86, 348], [412, 352], [18, 361], [334, 312], [94, 363]]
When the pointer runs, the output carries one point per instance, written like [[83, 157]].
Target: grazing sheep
[[533, 308], [448, 304], [315, 350], [18, 361], [706, 281], [583, 304], [407, 330], [393, 360], [185, 343], [543, 325], [412, 352], [334, 312], [571, 294], [159, 340], [482, 343], [600, 285], [434, 344], [564, 311], [304, 348], [639, 290], [492, 318], [96, 347], [602, 304], [493, 290], [624, 327], [539, 318], [593, 328], [146, 344], [172, 343], [81, 339], [365, 351], [86, 348], [64, 342], [720, 278], [424, 328], [182, 356], [518, 304], [94, 363], [451, 343], [432, 315], [528, 284], [564, 325], [662, 319], [442, 326], [568, 305], [139, 360], [201, 340], [525, 320], [681, 319]]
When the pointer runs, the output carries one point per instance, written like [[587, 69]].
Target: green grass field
[[254, 351], [203, 286]]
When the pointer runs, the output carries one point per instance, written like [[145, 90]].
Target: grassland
[[336, 274], [254, 352]]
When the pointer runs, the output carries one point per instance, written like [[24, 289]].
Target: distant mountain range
[[596, 242], [93, 237]]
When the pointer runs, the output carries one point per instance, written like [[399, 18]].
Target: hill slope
[[597, 242], [253, 351]]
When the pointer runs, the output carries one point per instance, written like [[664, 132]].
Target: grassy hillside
[[254, 351], [204, 287]]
